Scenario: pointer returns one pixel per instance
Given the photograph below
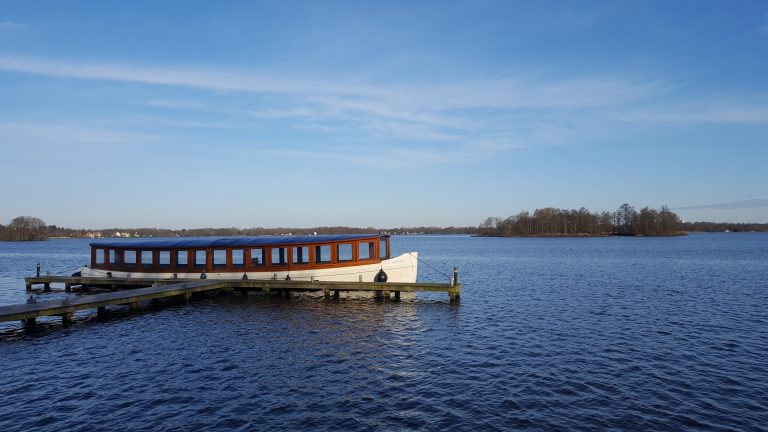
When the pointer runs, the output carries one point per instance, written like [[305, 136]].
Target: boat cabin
[[239, 254]]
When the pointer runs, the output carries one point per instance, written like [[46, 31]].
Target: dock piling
[[138, 290], [66, 319]]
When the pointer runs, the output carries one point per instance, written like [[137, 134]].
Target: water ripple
[[551, 334]]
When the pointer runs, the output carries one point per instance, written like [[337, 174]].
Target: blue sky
[[384, 114]]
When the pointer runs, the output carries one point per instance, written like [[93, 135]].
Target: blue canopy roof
[[204, 242]]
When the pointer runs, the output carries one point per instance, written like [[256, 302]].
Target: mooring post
[[336, 294], [397, 295], [38, 269], [29, 323], [327, 293], [67, 287], [455, 280], [47, 287], [29, 286], [101, 312]]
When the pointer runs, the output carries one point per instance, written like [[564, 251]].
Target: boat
[[345, 258]]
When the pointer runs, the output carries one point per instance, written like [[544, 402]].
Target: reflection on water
[[633, 334]]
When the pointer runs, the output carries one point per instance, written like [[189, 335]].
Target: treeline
[[24, 228], [724, 227], [552, 222], [27, 228]]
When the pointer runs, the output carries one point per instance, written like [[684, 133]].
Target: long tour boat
[[350, 258]]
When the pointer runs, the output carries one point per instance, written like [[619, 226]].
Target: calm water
[[551, 334]]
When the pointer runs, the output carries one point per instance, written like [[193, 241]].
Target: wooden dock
[[131, 292]]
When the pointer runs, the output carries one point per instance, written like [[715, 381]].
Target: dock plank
[[149, 289]]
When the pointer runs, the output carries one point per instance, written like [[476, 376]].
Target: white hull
[[401, 268]]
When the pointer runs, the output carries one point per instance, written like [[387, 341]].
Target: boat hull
[[402, 268]]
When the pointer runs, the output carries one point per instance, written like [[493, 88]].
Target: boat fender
[[109, 275], [203, 276], [245, 276], [381, 276]]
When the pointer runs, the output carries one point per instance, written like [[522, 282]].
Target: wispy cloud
[[57, 134], [271, 113], [741, 112], [388, 100], [10, 25], [486, 114], [174, 103], [744, 204]]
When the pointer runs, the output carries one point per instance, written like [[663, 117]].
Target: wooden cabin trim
[[266, 264]]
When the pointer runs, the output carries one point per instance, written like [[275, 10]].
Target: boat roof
[[204, 242]]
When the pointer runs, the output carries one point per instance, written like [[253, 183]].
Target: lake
[[551, 334]]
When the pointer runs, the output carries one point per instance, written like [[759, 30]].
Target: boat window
[[257, 257], [383, 248], [323, 254], [345, 252], [279, 256], [99, 256], [165, 258], [181, 258], [146, 258], [129, 257], [219, 258], [365, 251], [238, 257], [113, 257], [301, 254], [200, 256]]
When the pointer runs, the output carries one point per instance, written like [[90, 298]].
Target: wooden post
[[336, 294], [66, 319], [327, 293], [29, 323], [47, 287], [397, 295], [68, 287], [29, 286], [385, 294], [454, 293], [101, 312]]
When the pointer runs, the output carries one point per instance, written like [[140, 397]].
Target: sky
[[379, 114]]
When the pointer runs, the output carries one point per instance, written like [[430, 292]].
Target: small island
[[553, 222]]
